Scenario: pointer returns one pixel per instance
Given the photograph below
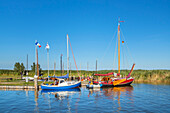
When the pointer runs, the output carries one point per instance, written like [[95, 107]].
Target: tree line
[[20, 69]]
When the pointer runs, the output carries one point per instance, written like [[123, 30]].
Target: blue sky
[[91, 25]]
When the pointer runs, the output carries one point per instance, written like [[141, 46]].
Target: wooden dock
[[25, 87], [17, 87]]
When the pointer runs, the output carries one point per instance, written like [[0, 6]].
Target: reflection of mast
[[36, 99]]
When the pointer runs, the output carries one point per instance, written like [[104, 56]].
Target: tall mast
[[67, 56], [61, 63], [27, 65], [54, 67], [48, 58], [80, 67], [87, 66], [37, 62], [35, 57], [96, 65], [70, 68], [63, 67], [119, 46]]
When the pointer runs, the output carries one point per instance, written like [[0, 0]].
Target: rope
[[114, 61], [73, 56], [123, 59], [108, 47]]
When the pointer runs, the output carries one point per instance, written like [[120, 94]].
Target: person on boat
[[56, 82]]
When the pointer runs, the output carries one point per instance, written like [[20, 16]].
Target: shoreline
[[156, 82], [84, 84]]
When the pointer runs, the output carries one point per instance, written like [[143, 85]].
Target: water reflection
[[139, 98], [36, 100], [114, 93], [72, 97], [111, 91], [61, 94]]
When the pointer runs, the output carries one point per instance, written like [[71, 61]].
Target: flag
[[47, 46], [38, 44]]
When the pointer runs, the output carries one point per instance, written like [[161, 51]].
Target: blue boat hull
[[60, 87], [60, 90]]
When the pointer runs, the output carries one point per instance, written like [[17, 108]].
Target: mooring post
[[36, 82]]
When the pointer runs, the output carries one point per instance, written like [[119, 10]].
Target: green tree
[[33, 67], [19, 68], [22, 67]]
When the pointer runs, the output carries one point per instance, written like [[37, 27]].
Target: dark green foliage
[[33, 66], [22, 67], [19, 68]]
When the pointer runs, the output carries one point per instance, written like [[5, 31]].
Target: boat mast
[[27, 65], [119, 46], [96, 65], [54, 67], [61, 63], [37, 62], [35, 57], [48, 58], [67, 56], [63, 67]]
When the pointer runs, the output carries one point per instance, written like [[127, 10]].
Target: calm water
[[137, 98]]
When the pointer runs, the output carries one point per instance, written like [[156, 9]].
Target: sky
[[91, 26]]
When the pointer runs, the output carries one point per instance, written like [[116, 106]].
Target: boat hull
[[62, 90], [94, 86], [54, 87], [110, 83]]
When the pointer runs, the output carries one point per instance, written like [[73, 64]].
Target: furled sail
[[104, 74], [65, 76]]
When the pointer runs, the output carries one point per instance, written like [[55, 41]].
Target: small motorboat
[[29, 78], [60, 84], [91, 85], [94, 86]]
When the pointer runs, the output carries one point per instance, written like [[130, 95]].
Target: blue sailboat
[[61, 84]]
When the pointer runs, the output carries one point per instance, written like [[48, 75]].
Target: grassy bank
[[9, 77]]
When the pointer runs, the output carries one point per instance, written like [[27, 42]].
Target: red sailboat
[[109, 80]]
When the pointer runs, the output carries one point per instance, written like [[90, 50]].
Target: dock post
[[36, 82]]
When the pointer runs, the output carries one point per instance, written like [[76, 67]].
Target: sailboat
[[115, 81], [59, 82]]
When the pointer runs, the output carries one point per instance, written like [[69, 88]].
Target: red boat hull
[[127, 82]]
